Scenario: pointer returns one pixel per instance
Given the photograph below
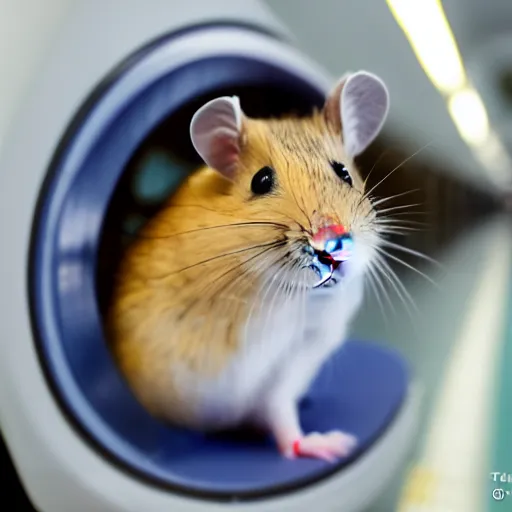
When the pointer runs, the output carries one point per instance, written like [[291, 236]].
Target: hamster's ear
[[215, 131], [358, 107]]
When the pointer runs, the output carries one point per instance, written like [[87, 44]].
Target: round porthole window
[[127, 149]]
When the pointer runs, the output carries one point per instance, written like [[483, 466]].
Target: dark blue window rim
[[64, 243]]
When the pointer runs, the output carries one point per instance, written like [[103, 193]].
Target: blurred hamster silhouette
[[242, 286]]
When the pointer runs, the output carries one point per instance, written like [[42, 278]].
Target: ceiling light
[[469, 115], [428, 31]]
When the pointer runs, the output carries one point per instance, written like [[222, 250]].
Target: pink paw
[[329, 446]]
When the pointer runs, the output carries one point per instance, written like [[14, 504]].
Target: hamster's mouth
[[329, 271], [328, 255]]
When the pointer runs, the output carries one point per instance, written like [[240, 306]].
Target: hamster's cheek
[[362, 257]]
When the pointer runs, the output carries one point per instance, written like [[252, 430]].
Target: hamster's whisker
[[297, 277], [230, 225], [285, 286], [276, 291], [391, 232], [376, 284], [386, 199], [400, 225], [270, 245], [177, 205], [397, 226], [395, 208], [303, 299], [376, 201], [306, 217], [203, 296], [405, 264], [392, 222], [265, 287], [396, 283], [396, 231], [236, 214], [222, 305], [375, 165], [238, 277], [292, 220], [301, 208], [251, 259], [403, 214], [398, 247], [398, 167]]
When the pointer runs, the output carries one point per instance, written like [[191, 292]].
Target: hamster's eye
[[342, 172], [263, 181]]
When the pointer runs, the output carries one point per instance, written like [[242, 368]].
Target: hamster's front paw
[[329, 446]]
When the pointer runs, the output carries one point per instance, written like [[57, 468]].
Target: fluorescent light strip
[[428, 31], [493, 155], [469, 115], [425, 25]]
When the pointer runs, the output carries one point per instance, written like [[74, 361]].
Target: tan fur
[[170, 310]]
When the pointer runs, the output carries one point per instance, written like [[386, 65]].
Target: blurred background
[[446, 153]]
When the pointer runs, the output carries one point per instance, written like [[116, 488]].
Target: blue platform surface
[[359, 391]]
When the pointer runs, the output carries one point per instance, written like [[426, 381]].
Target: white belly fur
[[280, 357]]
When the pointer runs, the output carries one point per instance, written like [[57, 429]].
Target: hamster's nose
[[339, 248], [333, 241]]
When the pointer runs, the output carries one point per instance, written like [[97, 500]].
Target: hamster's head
[[299, 176]]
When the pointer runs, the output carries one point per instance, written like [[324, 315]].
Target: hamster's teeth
[[324, 272]]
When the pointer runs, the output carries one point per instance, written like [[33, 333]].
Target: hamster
[[238, 291]]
